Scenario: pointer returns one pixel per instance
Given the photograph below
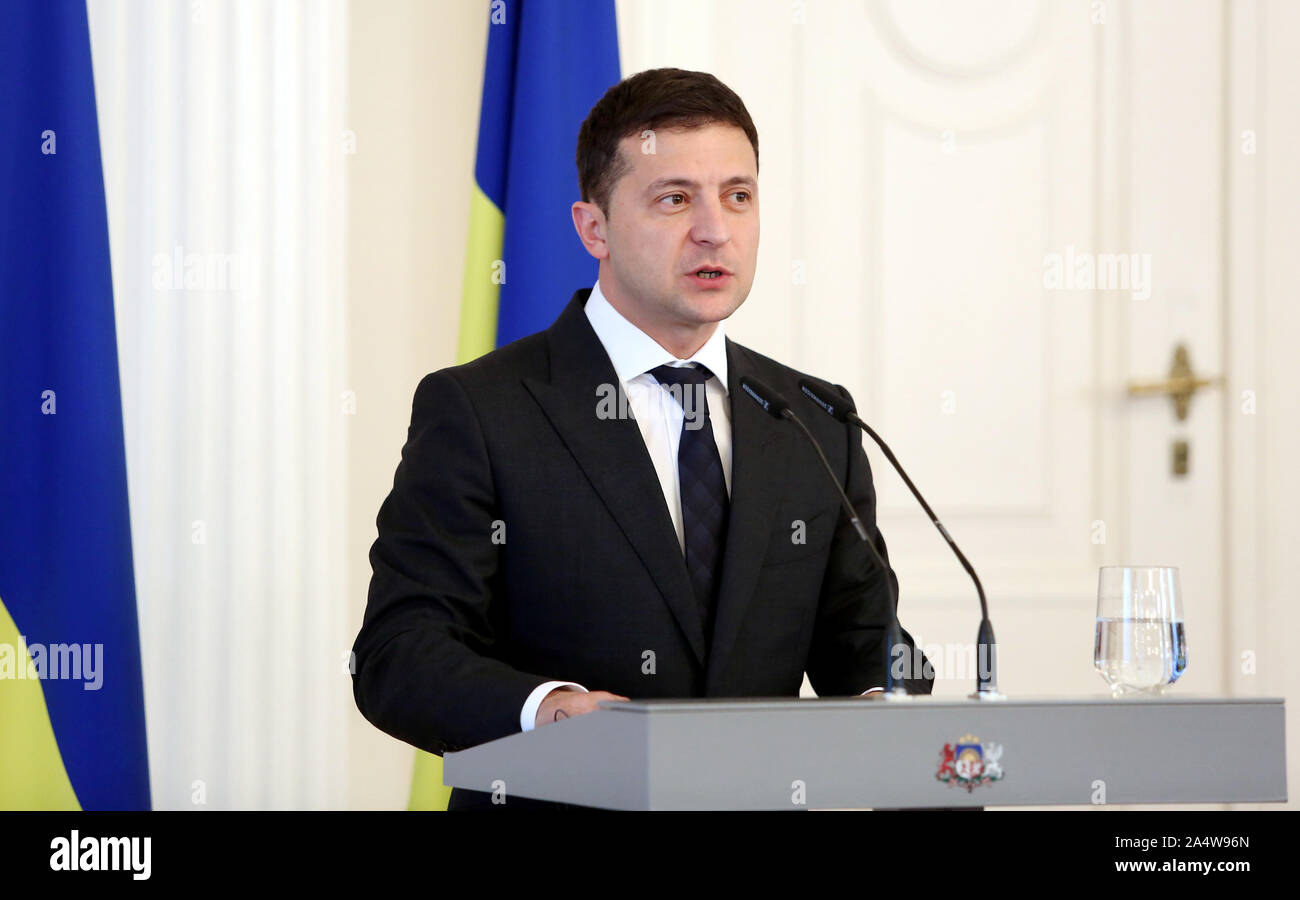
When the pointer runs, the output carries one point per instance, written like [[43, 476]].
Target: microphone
[[777, 407], [841, 409]]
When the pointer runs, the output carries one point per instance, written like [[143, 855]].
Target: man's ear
[[589, 222]]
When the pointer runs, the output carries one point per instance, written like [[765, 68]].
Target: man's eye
[[671, 196], [744, 194]]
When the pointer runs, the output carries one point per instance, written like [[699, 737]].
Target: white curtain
[[223, 135]]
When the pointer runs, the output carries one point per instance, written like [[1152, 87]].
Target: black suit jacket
[[526, 539]]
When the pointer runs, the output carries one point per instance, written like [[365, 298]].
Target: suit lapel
[[613, 455], [759, 457]]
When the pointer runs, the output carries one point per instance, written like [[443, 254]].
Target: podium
[[923, 752]]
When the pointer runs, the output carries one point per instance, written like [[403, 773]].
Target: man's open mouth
[[708, 273]]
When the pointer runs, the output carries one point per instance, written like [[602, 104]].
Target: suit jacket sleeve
[[424, 668], [847, 653]]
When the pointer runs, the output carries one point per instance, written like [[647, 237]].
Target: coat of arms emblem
[[969, 763]]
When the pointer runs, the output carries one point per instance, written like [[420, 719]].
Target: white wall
[[1263, 37], [415, 74]]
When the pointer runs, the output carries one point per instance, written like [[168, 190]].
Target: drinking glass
[[1140, 643]]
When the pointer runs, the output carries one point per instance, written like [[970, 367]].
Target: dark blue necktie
[[702, 485]]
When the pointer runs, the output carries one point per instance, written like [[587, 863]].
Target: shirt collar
[[633, 352]]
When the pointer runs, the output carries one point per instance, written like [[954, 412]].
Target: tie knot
[[686, 385], [692, 374]]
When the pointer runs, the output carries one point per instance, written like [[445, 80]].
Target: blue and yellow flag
[[548, 63], [72, 729]]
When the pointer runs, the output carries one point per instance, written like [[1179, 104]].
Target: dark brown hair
[[653, 99]]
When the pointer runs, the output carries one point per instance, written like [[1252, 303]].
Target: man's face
[[691, 203]]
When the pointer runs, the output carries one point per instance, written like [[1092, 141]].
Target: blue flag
[[71, 695], [547, 65]]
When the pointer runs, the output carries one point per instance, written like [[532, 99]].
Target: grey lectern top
[[918, 753]]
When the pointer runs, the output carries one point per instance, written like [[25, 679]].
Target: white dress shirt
[[659, 415]]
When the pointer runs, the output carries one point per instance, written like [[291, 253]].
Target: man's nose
[[710, 223]]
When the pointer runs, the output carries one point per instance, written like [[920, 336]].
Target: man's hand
[[565, 702]]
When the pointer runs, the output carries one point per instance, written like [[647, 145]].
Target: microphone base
[[898, 695], [987, 696]]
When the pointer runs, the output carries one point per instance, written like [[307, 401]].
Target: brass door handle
[[1180, 385]]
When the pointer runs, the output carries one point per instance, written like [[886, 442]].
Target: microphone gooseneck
[[842, 410], [777, 407]]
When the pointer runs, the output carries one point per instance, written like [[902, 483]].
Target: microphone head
[[773, 403], [840, 408]]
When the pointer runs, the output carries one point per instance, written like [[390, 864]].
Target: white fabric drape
[[222, 128]]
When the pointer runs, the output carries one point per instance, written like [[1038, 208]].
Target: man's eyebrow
[[672, 181]]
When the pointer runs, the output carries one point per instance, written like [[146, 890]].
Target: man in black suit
[[598, 512]]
